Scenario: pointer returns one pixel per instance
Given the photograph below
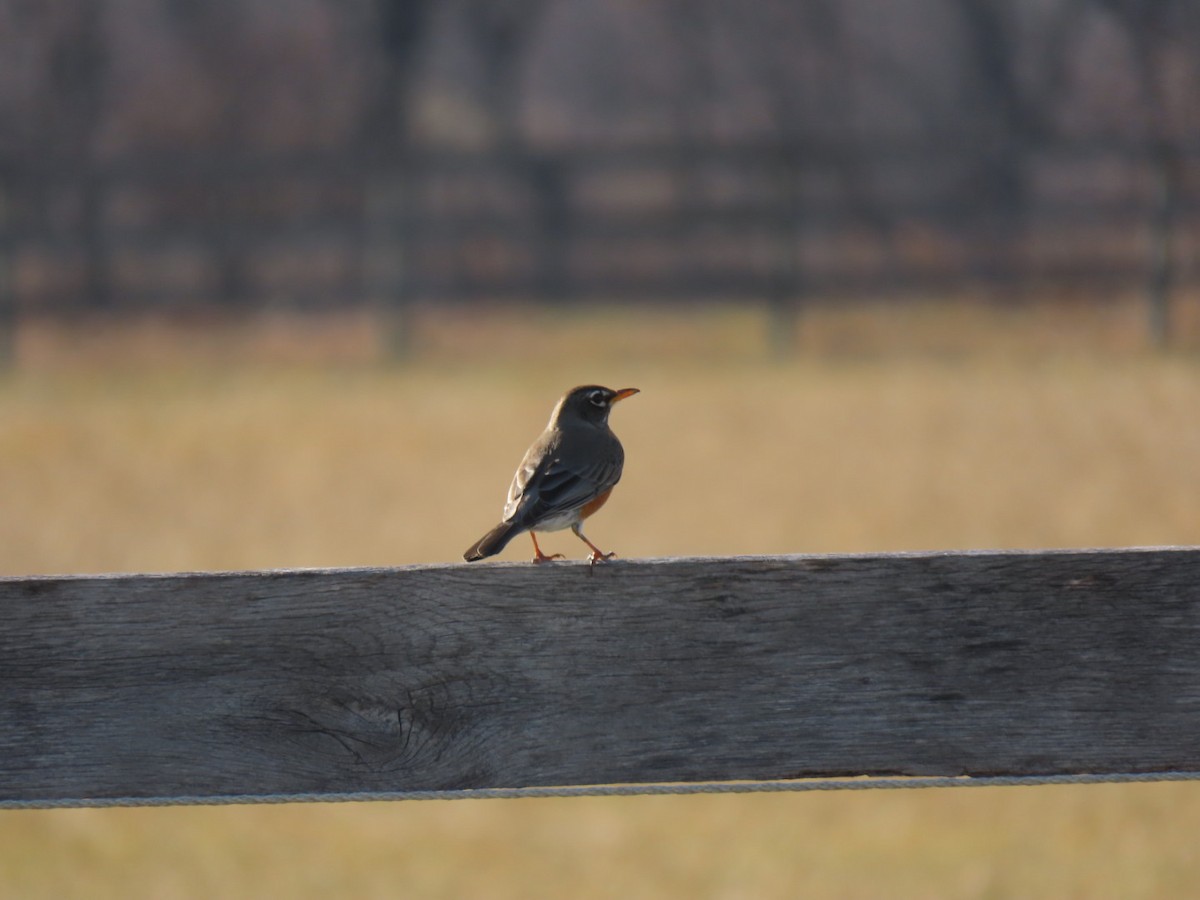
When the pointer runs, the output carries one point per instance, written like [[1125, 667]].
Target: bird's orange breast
[[592, 505]]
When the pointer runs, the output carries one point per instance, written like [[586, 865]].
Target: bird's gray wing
[[551, 487]]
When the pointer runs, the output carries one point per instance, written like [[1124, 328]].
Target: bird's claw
[[597, 556], [543, 558]]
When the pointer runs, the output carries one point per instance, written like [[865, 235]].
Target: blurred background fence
[[299, 154]]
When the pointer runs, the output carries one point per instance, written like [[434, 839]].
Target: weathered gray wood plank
[[456, 677]]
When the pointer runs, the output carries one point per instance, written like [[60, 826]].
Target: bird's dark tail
[[492, 542]]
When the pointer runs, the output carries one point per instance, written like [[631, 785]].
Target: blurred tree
[[80, 69], [396, 31], [502, 33], [1004, 118], [864, 125], [799, 54], [52, 109], [214, 35], [72, 100], [1158, 33], [211, 32], [8, 299]]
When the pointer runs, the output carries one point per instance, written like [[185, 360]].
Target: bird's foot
[[543, 558], [597, 557]]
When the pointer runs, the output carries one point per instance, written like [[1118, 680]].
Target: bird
[[566, 475]]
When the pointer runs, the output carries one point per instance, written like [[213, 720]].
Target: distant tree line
[[248, 152]]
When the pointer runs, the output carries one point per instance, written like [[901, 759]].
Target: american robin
[[566, 475]]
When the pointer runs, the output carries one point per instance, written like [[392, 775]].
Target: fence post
[[787, 282], [1165, 176], [389, 212], [547, 179], [8, 300]]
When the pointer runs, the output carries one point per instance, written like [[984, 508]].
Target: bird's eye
[[598, 398]]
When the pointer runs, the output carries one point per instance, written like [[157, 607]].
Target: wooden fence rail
[[451, 678], [742, 222]]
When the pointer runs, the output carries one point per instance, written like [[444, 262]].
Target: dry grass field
[[285, 444]]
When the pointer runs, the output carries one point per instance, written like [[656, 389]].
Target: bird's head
[[589, 403]]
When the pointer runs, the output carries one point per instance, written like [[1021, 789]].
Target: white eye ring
[[597, 398]]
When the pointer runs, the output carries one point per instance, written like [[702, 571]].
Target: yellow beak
[[623, 393]]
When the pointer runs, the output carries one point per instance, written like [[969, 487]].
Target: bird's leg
[[538, 555], [598, 555]]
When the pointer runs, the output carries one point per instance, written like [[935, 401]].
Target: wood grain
[[511, 675]]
